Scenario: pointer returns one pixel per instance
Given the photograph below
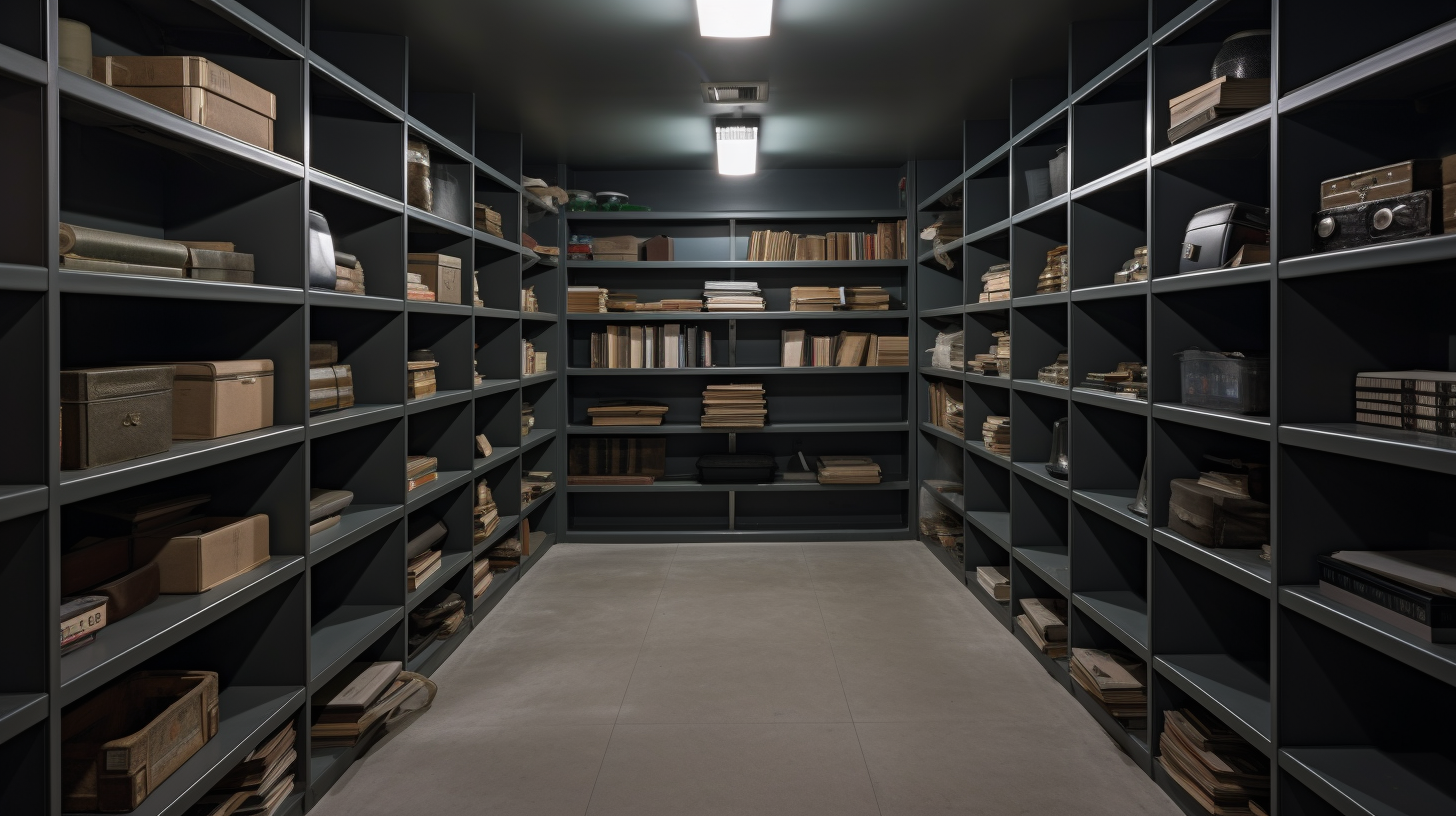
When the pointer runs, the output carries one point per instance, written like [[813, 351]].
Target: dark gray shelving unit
[[80, 152], [1345, 707], [820, 411]]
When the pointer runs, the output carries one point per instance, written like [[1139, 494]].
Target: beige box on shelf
[[198, 555], [210, 110], [617, 245], [184, 72], [439, 272], [221, 397]]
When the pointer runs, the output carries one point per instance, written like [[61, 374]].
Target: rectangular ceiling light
[[735, 18], [737, 149]]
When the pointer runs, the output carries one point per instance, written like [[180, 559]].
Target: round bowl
[[1244, 55]]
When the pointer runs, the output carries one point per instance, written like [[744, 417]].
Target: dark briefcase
[[1216, 234], [1216, 518], [753, 468], [113, 414], [1376, 221]]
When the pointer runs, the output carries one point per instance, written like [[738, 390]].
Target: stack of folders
[[1044, 620], [623, 412], [815, 298], [482, 575], [1412, 590], [732, 296], [354, 702], [1117, 682], [420, 373], [586, 299], [1416, 400], [667, 346], [435, 621], [258, 785], [848, 470], [996, 435], [348, 274], [1223, 773], [420, 470], [739, 405], [996, 581], [1211, 102], [947, 409], [487, 514], [84, 249], [996, 283]]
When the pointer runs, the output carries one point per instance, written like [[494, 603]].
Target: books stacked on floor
[[1223, 773], [996, 581], [586, 299], [420, 470], [866, 299], [535, 484], [848, 470], [887, 242], [529, 303], [996, 435], [997, 361], [84, 249], [258, 785], [947, 410], [671, 345], [81, 618], [1211, 102], [996, 283], [621, 302], [420, 373], [481, 576], [1044, 620], [1057, 275], [1412, 590], [605, 460], [422, 567], [348, 274], [1056, 373], [1422, 401], [627, 413], [1116, 682], [815, 298], [732, 296], [487, 220], [330, 385], [1128, 381], [351, 705], [486, 513], [735, 405], [432, 622]]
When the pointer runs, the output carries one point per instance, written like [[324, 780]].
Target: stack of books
[[1056, 373], [415, 287], [866, 299], [258, 785], [481, 576], [1211, 102], [798, 349], [586, 299], [432, 622], [621, 302], [1128, 381], [420, 372], [421, 567], [529, 303], [625, 413], [507, 554], [947, 410], [1057, 275], [348, 274], [848, 470], [351, 705], [535, 484], [1416, 400], [815, 298], [671, 345], [85, 249], [487, 220], [487, 514], [947, 529], [1412, 590], [732, 296], [420, 470], [672, 305], [996, 581], [330, 385], [1221, 771], [892, 351], [1118, 683], [996, 435], [1044, 620], [996, 283], [737, 405], [997, 361]]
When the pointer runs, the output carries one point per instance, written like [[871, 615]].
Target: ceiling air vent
[[734, 93]]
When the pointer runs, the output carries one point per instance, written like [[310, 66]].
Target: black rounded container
[[1244, 55]]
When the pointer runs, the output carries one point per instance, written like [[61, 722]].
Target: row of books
[[887, 242], [799, 349], [729, 296], [1415, 400], [668, 346], [606, 460], [832, 298], [735, 405], [628, 302]]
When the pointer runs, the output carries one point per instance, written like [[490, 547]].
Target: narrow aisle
[[683, 680]]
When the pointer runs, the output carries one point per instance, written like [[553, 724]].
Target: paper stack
[[487, 514], [621, 412], [733, 296], [739, 405], [355, 701], [996, 283], [1044, 620], [848, 470], [421, 567], [586, 299], [420, 470], [1116, 682], [815, 298], [996, 435], [621, 302], [866, 299], [1223, 773], [258, 785]]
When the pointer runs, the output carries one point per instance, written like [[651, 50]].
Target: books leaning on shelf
[[732, 296], [586, 299], [996, 581], [1422, 401], [487, 220], [348, 707], [1412, 590], [996, 435], [258, 785], [420, 470], [947, 410], [738, 405], [420, 373], [887, 242], [1044, 620], [996, 283], [1212, 101], [626, 413], [85, 249], [848, 470], [1224, 774], [1116, 682], [670, 345]]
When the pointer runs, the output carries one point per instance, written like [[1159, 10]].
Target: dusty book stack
[[1116, 682], [351, 707], [1057, 373], [996, 283], [996, 362], [330, 384], [258, 785], [1128, 381], [738, 405], [481, 576], [420, 470], [848, 470], [1211, 102], [487, 220], [535, 484], [420, 373], [866, 299], [1044, 620], [733, 296], [996, 435], [348, 274], [84, 249], [1221, 771], [486, 513], [430, 622], [627, 413], [815, 298], [1056, 276], [586, 299], [996, 581]]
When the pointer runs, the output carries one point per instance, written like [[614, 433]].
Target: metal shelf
[[356, 522], [1253, 427], [343, 635], [1236, 695], [622, 266], [770, 428], [1050, 563], [734, 370], [348, 419], [21, 500], [1113, 506], [1122, 614], [633, 317], [109, 283], [698, 487], [1365, 780], [1436, 659], [1243, 567]]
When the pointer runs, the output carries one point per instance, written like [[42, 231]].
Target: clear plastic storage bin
[[1224, 381]]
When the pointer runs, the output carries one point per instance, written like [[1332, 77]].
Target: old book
[[792, 350], [1050, 648], [482, 445], [996, 581], [105, 245], [1048, 616], [352, 691], [121, 268], [420, 568], [851, 348], [1229, 93], [219, 259], [419, 465], [221, 275]]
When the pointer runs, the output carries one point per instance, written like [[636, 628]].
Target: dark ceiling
[[614, 83]]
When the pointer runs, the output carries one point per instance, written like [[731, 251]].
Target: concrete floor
[[688, 680]]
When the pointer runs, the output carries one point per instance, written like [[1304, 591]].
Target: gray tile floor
[[706, 679]]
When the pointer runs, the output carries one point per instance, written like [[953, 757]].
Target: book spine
[[1428, 610]]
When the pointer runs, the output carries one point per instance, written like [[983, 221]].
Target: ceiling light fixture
[[737, 146], [735, 18]]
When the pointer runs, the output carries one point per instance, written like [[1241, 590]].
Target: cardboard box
[[658, 248], [198, 555], [211, 111], [183, 72], [221, 397], [439, 272], [617, 245]]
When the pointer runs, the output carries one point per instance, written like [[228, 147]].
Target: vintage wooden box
[[439, 272], [222, 397], [113, 414]]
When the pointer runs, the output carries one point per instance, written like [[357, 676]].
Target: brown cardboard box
[[617, 245], [658, 248], [221, 397], [184, 72], [198, 555], [439, 272], [211, 111]]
